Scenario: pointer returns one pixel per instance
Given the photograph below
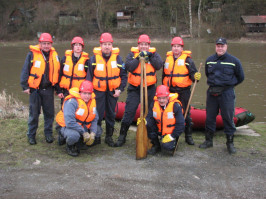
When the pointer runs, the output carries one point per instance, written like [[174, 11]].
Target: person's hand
[[167, 138], [27, 91], [86, 137], [117, 93], [197, 76], [60, 95], [91, 139]]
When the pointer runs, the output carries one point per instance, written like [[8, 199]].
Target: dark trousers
[[133, 100], [226, 103], [106, 102], [41, 98]]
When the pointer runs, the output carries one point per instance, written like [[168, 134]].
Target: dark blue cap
[[221, 41]]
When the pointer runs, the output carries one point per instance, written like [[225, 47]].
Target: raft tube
[[198, 115]]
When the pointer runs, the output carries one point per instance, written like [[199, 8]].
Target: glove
[[91, 140], [197, 76], [143, 54], [167, 138], [139, 120], [86, 137]]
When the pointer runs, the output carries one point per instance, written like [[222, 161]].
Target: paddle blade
[[141, 141]]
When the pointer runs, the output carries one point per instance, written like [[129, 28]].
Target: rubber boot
[[208, 141], [81, 145], [188, 135], [230, 144], [32, 140], [72, 150], [61, 140], [108, 137], [122, 136], [156, 147]]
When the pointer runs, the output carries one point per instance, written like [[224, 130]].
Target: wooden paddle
[[142, 136], [190, 98]]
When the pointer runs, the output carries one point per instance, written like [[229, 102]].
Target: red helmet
[[106, 37], [144, 38], [77, 40], [86, 86], [45, 37], [177, 40], [162, 91]]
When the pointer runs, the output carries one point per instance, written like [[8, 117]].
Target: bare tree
[[190, 18], [199, 19], [98, 14]]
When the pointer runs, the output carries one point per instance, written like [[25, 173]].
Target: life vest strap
[[82, 122], [34, 75], [106, 78], [148, 74], [76, 78]]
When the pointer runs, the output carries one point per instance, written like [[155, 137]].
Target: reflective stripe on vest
[[176, 73], [39, 64], [165, 119], [85, 113], [135, 76], [74, 74], [106, 73]]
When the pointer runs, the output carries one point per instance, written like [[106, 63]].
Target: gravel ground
[[191, 173]]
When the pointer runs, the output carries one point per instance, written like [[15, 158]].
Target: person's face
[[177, 50], [85, 96], [163, 100], [77, 48], [45, 46], [106, 47], [143, 46], [221, 49]]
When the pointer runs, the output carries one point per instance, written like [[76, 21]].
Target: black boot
[[81, 145], [156, 147], [32, 141], [108, 137], [61, 140], [188, 135], [122, 136], [208, 140], [49, 138], [72, 150], [230, 144]]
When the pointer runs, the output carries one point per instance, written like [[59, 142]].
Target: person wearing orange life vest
[[73, 66], [165, 120], [108, 75], [178, 74], [78, 119], [153, 62], [39, 79]]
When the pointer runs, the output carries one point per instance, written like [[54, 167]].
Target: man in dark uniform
[[39, 78], [107, 73], [153, 63], [179, 73], [223, 72]]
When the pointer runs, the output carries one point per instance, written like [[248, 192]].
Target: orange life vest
[[134, 78], [76, 74], [106, 73], [165, 119], [39, 64], [176, 73], [85, 113]]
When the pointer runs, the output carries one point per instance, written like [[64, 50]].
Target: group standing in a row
[[89, 89]]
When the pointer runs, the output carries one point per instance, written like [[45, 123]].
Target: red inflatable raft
[[198, 115]]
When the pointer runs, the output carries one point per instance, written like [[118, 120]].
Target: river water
[[250, 94]]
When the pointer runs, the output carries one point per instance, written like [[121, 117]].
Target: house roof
[[254, 19]]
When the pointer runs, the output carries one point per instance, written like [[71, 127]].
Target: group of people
[[89, 88]]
